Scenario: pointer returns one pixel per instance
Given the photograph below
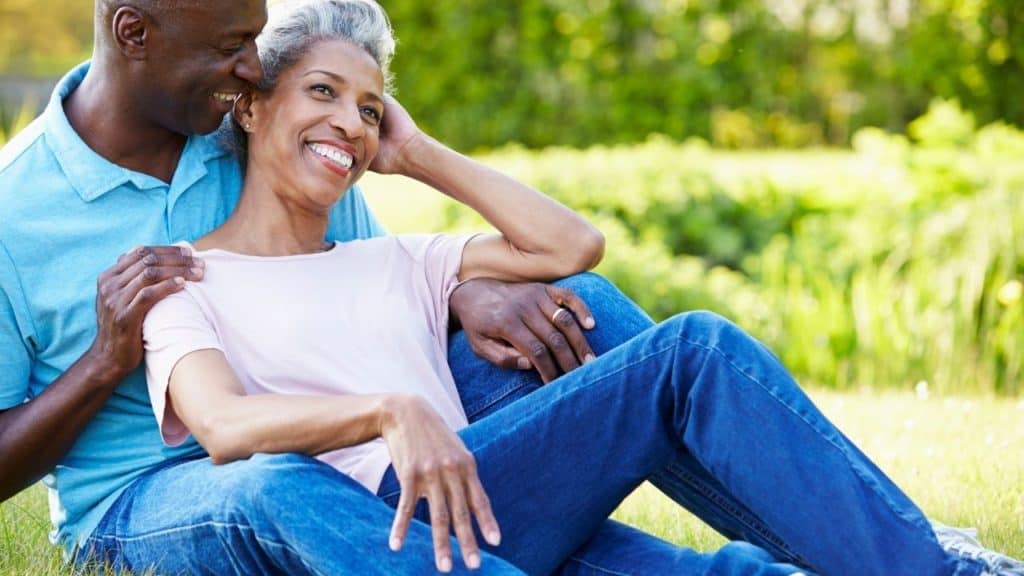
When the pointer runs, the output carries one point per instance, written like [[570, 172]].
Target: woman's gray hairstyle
[[294, 26]]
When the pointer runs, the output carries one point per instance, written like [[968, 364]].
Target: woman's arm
[[430, 460], [208, 398], [540, 238]]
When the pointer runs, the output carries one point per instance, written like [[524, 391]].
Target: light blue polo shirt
[[66, 214]]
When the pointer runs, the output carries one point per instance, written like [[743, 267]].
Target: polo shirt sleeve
[[352, 219], [15, 337], [175, 327]]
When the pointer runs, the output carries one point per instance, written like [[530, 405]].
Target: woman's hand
[[431, 462], [397, 130]]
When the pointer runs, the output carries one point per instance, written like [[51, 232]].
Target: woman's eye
[[323, 89], [372, 115], [232, 50]]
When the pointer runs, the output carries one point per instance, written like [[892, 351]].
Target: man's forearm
[[37, 434]]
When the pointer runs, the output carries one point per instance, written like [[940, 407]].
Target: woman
[[289, 345]]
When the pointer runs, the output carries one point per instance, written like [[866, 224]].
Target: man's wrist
[[99, 368]]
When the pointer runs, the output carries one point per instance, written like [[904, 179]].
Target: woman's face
[[319, 129]]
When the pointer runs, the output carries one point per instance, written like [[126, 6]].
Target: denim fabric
[[707, 410], [283, 514], [693, 404]]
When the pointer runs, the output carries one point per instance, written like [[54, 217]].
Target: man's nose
[[248, 66]]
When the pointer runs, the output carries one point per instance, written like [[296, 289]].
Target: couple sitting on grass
[[318, 377]]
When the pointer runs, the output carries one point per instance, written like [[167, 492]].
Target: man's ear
[[130, 28], [245, 110]]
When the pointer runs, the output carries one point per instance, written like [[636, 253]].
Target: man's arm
[[36, 435]]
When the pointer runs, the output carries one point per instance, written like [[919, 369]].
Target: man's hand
[[431, 462], [522, 325], [397, 130], [126, 292]]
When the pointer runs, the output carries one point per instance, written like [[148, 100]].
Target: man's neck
[[106, 119]]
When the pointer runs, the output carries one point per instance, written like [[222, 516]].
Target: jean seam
[[752, 523], [873, 486], [119, 541], [492, 399], [595, 567]]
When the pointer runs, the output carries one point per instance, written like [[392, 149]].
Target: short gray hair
[[294, 26]]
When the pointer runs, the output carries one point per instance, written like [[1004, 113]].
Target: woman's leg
[[620, 550], [283, 514], [558, 462], [485, 389]]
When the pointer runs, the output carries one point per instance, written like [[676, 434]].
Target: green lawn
[[961, 459]]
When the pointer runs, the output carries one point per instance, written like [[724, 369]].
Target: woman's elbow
[[219, 442], [588, 249]]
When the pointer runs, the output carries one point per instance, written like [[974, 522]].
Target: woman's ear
[[243, 110]]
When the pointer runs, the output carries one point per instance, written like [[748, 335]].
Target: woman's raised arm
[[540, 238]]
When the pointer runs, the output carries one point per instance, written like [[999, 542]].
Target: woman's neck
[[269, 222]]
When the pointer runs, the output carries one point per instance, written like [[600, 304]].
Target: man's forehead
[[219, 17]]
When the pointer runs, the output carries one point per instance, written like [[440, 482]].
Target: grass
[[959, 458]]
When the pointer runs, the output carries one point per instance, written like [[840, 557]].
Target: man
[[117, 161], [112, 172]]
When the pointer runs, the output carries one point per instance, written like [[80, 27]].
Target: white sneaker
[[964, 543]]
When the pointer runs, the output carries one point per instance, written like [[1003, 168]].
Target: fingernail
[[523, 363], [493, 537], [179, 280], [588, 322], [445, 564], [395, 543], [589, 358], [196, 271], [199, 262], [473, 561]]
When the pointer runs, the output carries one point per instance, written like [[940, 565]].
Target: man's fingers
[[498, 353], [462, 522], [403, 515], [575, 304], [147, 296], [440, 526], [554, 340], [566, 322], [156, 265], [530, 346]]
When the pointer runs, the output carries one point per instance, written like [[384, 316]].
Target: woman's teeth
[[225, 97], [333, 154]]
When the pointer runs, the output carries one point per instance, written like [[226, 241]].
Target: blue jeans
[[292, 514]]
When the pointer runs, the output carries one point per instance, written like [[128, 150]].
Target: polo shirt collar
[[92, 175]]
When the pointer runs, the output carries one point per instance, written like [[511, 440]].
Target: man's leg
[[558, 462], [283, 514], [485, 389]]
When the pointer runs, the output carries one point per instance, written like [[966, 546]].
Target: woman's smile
[[337, 158]]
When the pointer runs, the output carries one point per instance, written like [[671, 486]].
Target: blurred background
[[841, 177]]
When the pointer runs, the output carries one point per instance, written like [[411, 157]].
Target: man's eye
[[232, 50]]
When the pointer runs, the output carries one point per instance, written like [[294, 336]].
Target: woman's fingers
[[480, 507], [462, 521], [403, 515], [440, 525]]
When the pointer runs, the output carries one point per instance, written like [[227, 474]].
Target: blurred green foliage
[[738, 73], [898, 263]]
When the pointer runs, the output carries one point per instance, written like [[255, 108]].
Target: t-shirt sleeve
[[352, 219], [440, 256], [175, 327], [15, 335]]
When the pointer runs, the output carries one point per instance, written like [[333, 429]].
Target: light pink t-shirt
[[365, 317]]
